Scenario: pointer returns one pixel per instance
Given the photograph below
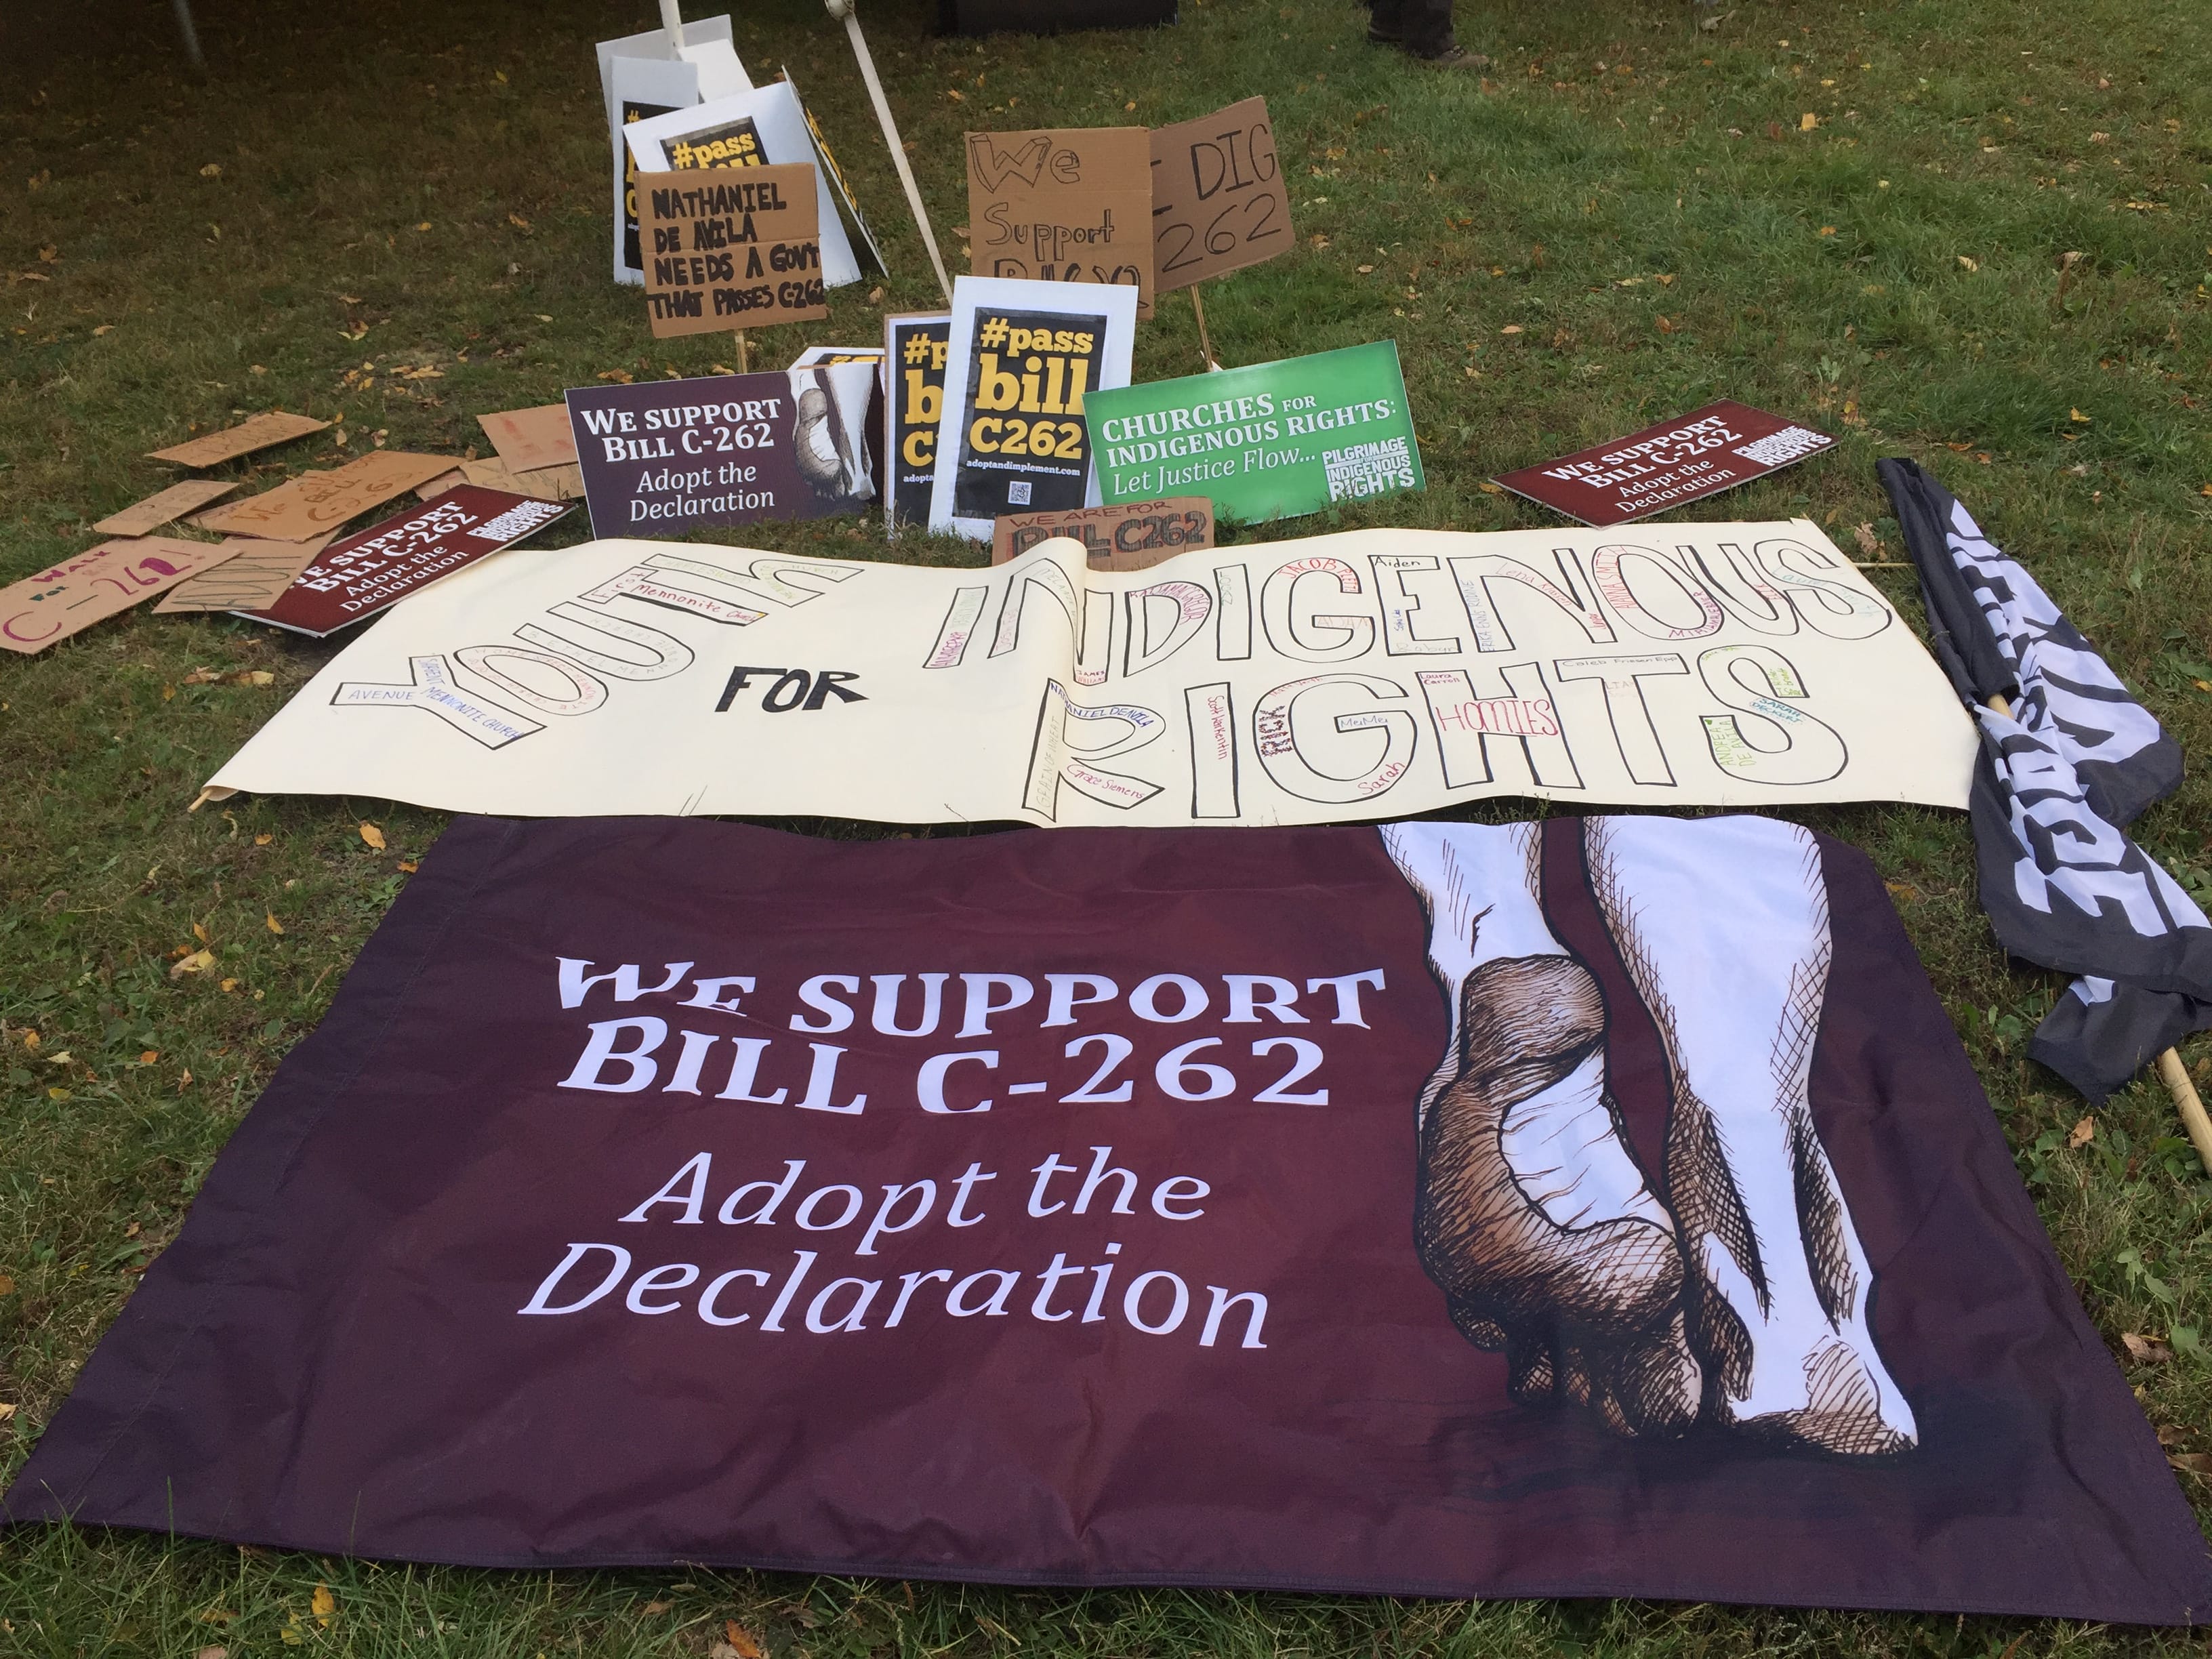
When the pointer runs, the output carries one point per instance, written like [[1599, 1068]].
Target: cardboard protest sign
[[1022, 356], [1132, 536], [528, 439], [1066, 205], [69, 597], [256, 574], [1307, 680], [163, 506], [1218, 200], [647, 75], [319, 502], [361, 575], [1272, 441], [914, 345], [1668, 465], [257, 432], [765, 127], [1160, 1230], [732, 250], [664, 456]]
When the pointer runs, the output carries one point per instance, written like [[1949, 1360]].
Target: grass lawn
[[396, 214]]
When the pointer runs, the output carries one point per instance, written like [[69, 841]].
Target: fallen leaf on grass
[[200, 933], [148, 1057], [1510, 328], [198, 963], [105, 328], [2172, 1434], [741, 1639], [324, 1604], [229, 985], [657, 1606], [620, 375], [517, 221], [2076, 414], [274, 926], [1808, 121], [6, 1411], [7, 1288], [372, 835], [2145, 1351], [1365, 269], [1665, 325], [1869, 542], [2081, 1134], [1966, 263], [408, 867], [263, 840], [2191, 1462], [1490, 489]]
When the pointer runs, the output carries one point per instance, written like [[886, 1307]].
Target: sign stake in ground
[[844, 12], [1204, 345]]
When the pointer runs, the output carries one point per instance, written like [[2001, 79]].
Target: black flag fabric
[[2059, 779]]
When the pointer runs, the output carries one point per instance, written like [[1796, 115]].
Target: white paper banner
[[1371, 674]]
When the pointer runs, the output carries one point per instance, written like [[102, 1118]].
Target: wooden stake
[[2175, 1076], [1204, 345], [2170, 1072], [744, 354]]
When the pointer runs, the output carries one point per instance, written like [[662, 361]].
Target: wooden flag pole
[[1204, 345], [2170, 1072], [843, 10]]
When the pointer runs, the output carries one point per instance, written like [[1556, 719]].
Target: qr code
[[1018, 493], [1780, 448]]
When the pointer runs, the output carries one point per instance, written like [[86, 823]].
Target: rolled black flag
[[2070, 763]]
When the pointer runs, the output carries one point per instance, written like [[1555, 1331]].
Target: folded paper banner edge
[[1943, 728]]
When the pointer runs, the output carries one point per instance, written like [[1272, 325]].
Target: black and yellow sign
[[913, 367], [1024, 446]]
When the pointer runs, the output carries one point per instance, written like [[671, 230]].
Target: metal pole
[[843, 11]]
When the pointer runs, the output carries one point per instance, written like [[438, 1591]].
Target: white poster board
[[1370, 674], [691, 137], [648, 74], [1005, 400]]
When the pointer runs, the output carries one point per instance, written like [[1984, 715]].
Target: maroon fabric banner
[[1601, 1208]]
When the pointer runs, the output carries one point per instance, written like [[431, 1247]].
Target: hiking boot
[[1455, 58]]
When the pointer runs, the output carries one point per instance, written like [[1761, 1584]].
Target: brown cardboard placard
[[1063, 205], [560, 484], [69, 597], [731, 248], [1668, 464], [317, 502], [491, 472], [257, 575], [1218, 200], [527, 439], [1132, 536], [165, 507], [257, 432]]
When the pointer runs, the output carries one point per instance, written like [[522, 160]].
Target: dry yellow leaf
[[198, 963], [2144, 1349], [408, 867], [1808, 121], [1966, 263], [747, 1645], [323, 1604], [229, 985], [274, 926], [30, 1039], [1510, 328], [372, 835], [147, 1057], [263, 840], [2082, 1132], [7, 1285], [201, 934], [2076, 414], [517, 221]]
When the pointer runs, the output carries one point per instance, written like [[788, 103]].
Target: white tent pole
[[673, 21], [843, 11]]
